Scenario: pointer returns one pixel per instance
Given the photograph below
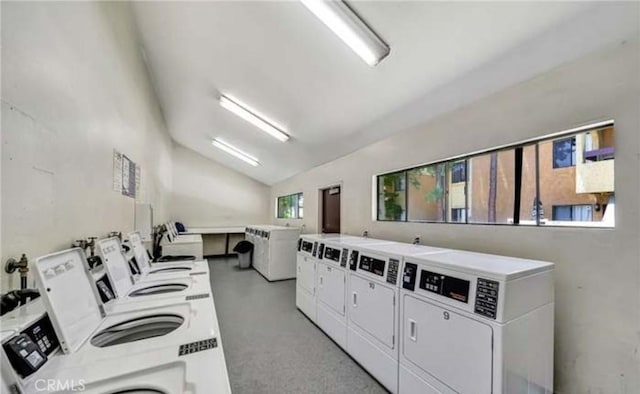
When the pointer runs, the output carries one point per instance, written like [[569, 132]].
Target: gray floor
[[270, 346]]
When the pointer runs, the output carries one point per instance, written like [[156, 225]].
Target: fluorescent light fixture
[[232, 150], [347, 25], [253, 117]]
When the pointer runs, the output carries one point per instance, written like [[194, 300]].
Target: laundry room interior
[[316, 196]]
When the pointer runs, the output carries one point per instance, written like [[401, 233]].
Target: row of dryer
[[431, 320], [274, 250], [127, 326]]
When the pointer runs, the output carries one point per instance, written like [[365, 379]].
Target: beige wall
[[597, 344], [68, 100], [206, 193]]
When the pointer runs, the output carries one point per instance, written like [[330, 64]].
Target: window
[[459, 172], [492, 187], [290, 207], [564, 152], [427, 193], [573, 213], [518, 185], [458, 215], [392, 196]]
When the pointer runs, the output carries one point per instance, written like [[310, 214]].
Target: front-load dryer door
[[371, 307], [331, 283], [306, 273], [453, 348]]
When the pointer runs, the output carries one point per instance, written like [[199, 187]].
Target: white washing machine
[[157, 344], [120, 289], [310, 247], [46, 369], [476, 324], [332, 284], [372, 311], [154, 271]]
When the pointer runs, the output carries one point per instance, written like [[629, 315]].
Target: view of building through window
[[563, 181], [392, 196], [291, 206]]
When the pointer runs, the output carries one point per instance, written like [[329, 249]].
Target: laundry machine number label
[[487, 298], [197, 346]]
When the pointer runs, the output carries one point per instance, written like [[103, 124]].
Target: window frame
[[518, 169]]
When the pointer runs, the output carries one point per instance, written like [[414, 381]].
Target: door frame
[[321, 205]]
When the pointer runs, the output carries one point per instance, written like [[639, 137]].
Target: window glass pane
[[281, 207], [427, 193], [456, 201], [582, 194], [528, 200], [392, 197], [564, 152], [290, 207], [491, 187]]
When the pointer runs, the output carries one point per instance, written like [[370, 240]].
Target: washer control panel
[[29, 350], [320, 251], [332, 254], [373, 265], [315, 249], [487, 298], [307, 246]]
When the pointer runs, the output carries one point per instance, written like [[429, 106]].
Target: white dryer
[[310, 247], [372, 311], [476, 324], [332, 284], [154, 342]]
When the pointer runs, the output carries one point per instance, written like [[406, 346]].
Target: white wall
[[74, 87], [206, 193], [597, 347]]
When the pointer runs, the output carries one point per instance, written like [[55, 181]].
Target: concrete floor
[[270, 346]]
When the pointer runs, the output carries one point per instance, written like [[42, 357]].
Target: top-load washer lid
[[70, 299], [118, 272], [140, 253], [115, 265]]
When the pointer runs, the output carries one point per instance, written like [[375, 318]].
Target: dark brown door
[[331, 210]]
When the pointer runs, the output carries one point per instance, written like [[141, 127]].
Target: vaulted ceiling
[[278, 58]]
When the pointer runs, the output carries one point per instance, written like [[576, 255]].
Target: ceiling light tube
[[252, 117], [232, 150], [351, 29]]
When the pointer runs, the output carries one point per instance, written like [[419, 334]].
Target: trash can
[[245, 253]]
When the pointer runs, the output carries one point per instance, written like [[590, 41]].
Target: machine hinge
[[393, 340], [343, 309], [394, 300], [102, 311]]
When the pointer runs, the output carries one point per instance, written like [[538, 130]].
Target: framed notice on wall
[[126, 175]]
